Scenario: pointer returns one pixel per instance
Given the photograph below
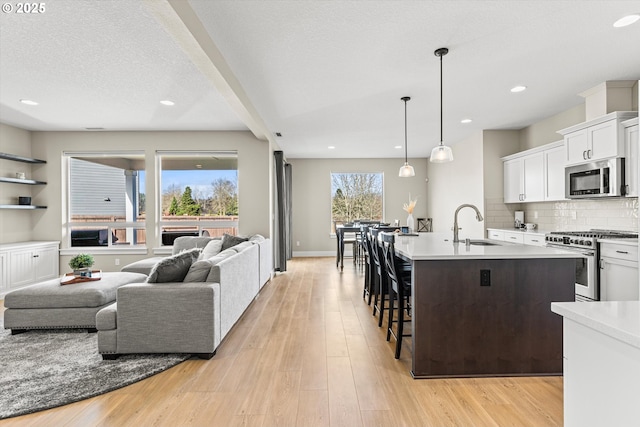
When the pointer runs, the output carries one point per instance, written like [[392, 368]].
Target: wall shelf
[[23, 159], [22, 181], [22, 207]]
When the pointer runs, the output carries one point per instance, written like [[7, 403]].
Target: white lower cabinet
[[618, 272], [601, 378], [4, 270], [495, 234], [514, 236], [25, 263], [534, 239]]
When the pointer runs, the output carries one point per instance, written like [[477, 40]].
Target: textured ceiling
[[323, 73]]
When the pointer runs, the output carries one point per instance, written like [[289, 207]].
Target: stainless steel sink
[[483, 243]]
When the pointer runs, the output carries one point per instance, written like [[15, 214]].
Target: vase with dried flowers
[[408, 207]]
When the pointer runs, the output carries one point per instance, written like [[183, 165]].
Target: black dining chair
[[349, 238], [380, 289], [369, 267], [399, 291]]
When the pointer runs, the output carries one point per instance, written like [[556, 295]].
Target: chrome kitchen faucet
[[455, 220]]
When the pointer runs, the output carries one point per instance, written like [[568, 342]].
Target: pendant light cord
[[405, 130], [441, 126]]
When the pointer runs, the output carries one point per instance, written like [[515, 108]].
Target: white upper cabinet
[[554, 173], [535, 175], [631, 164], [597, 139], [524, 179], [513, 181]]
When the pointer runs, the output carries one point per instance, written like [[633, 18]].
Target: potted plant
[[81, 264]]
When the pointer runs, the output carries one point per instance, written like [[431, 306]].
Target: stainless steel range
[[586, 243]]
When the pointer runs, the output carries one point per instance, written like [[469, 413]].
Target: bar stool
[[380, 289], [399, 290], [369, 279]]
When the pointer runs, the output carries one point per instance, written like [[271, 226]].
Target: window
[[105, 206], [356, 196], [198, 194]]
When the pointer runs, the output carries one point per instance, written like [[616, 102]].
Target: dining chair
[[350, 238], [380, 289], [399, 290], [369, 267]]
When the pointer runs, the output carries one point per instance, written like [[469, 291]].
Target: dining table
[[341, 230]]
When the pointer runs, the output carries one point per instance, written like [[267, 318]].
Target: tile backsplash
[[618, 213]]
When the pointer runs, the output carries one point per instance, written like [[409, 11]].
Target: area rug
[[43, 369]]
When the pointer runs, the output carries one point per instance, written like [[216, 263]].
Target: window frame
[[110, 226], [331, 194], [200, 224]]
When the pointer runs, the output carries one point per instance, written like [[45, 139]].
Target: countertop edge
[[565, 309]]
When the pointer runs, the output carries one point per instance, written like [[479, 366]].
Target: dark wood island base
[[467, 322]]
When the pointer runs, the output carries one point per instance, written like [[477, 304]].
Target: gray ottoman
[[50, 305]]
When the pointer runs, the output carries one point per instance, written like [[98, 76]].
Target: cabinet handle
[[622, 252], [36, 256], [534, 240], [584, 155], [588, 154]]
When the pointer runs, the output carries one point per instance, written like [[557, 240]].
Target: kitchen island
[[484, 309], [601, 362]]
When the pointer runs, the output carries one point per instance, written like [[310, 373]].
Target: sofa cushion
[[213, 248], [189, 242], [173, 268], [241, 246], [214, 274], [257, 238], [143, 266], [229, 241]]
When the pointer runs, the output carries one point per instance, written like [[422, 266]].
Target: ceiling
[[322, 73]]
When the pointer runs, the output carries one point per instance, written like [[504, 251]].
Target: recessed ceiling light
[[466, 121], [28, 102], [331, 147], [516, 89], [627, 20], [167, 102], [398, 146]]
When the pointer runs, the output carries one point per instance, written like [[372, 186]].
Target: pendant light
[[406, 170], [441, 153]]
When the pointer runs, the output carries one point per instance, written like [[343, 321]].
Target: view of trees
[[221, 201], [356, 196]]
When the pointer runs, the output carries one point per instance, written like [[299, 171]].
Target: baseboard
[[303, 254]]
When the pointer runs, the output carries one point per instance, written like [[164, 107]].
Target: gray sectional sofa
[[190, 316]]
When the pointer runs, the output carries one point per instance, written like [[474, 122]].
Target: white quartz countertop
[[438, 246], [617, 319]]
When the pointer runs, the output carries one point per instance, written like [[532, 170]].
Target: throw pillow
[[228, 241], [198, 271], [173, 268], [213, 248]]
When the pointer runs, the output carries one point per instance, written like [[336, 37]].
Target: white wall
[[253, 178], [15, 225], [312, 197], [455, 183]]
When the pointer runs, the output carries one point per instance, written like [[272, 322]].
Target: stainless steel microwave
[[604, 178]]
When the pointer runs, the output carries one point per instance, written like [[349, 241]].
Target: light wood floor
[[308, 352]]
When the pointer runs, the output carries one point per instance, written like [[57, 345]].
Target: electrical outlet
[[485, 277], [117, 261], [574, 215], [535, 214], [297, 243]]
